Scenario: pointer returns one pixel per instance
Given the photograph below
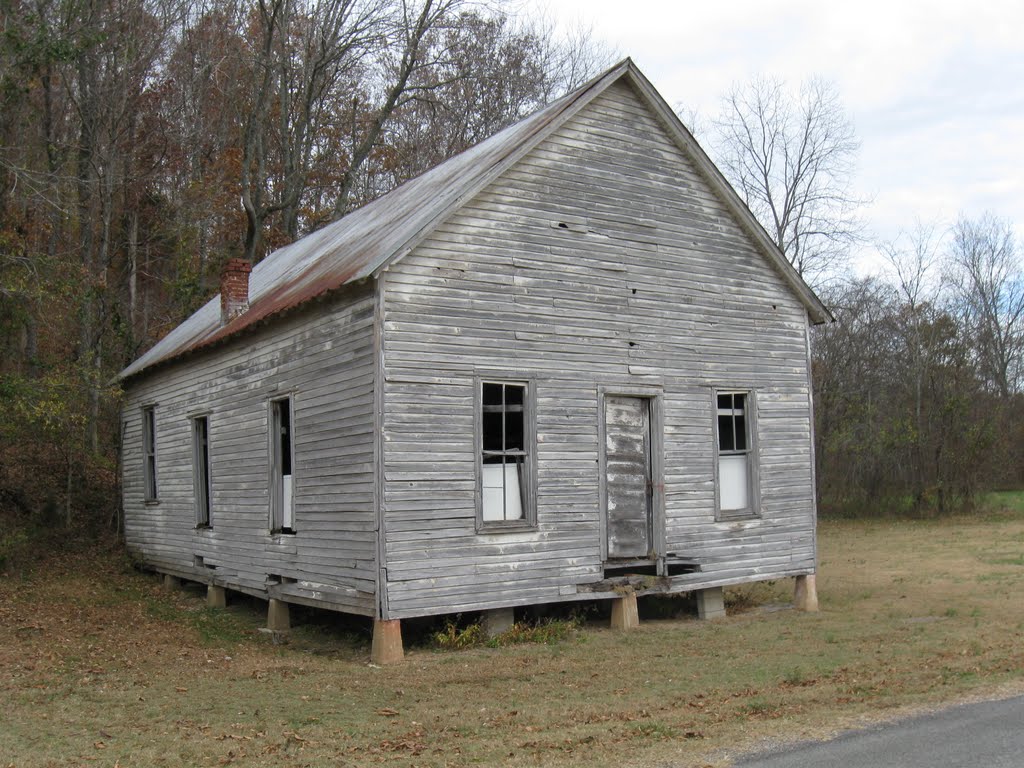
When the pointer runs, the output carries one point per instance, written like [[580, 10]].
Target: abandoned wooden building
[[566, 364]]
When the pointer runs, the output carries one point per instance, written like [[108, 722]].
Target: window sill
[[509, 527], [281, 532], [151, 502], [204, 527]]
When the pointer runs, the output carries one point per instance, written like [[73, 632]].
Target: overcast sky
[[935, 89]]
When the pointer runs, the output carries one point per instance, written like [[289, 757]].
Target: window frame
[[151, 490], [753, 508], [276, 518], [202, 469], [529, 452]]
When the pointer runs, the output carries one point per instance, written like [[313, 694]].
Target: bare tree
[[405, 54], [987, 275], [307, 52], [491, 69], [912, 260], [791, 158]]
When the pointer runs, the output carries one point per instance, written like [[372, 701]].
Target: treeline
[[144, 142], [917, 386]]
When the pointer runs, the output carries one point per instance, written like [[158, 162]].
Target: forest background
[[145, 142]]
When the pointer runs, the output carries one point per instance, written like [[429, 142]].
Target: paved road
[[985, 735]]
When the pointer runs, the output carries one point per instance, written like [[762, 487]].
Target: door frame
[[654, 396]]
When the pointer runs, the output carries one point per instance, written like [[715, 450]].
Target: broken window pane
[[502, 490], [514, 430], [734, 472], [493, 426], [285, 420], [726, 441], [282, 511], [201, 469], [732, 425], [149, 449], [504, 464]]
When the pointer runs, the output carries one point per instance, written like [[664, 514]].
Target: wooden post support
[[805, 593], [216, 597], [498, 621], [171, 582], [387, 642], [711, 603], [624, 612], [278, 617]]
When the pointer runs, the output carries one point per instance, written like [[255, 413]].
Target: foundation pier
[[387, 642], [216, 597], [498, 621], [711, 603], [624, 612], [278, 617], [805, 593]]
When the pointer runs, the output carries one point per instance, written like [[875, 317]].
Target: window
[[201, 469], [282, 511], [736, 486], [149, 452], [505, 470]]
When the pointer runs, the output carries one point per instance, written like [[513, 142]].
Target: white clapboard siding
[[323, 357], [651, 282]]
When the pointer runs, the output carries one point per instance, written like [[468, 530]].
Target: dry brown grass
[[100, 667]]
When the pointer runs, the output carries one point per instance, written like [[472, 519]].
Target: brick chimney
[[234, 289]]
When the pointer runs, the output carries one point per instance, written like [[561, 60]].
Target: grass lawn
[[101, 667]]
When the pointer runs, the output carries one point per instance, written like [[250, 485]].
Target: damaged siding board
[[690, 304]]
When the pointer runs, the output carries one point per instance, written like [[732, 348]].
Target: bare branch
[[791, 158]]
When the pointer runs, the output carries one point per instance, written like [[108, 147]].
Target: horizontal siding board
[[323, 358]]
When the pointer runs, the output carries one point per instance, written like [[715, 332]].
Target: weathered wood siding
[[601, 260], [324, 358]]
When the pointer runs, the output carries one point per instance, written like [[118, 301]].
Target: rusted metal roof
[[365, 241]]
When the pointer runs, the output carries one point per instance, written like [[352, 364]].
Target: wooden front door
[[628, 489]]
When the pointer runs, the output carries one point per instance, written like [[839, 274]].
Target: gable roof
[[366, 241]]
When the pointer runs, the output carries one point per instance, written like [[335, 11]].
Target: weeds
[[543, 632], [452, 637]]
